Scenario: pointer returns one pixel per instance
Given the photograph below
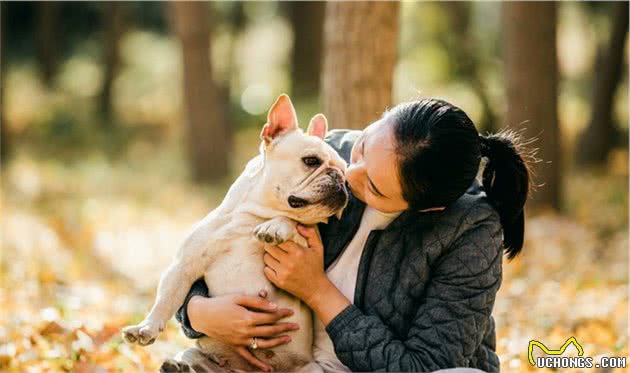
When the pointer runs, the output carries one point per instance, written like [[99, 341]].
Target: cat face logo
[[559, 351], [554, 360]]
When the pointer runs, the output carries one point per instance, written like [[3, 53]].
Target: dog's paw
[[274, 231], [143, 334], [172, 365]]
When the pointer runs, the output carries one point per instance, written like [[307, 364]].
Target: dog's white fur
[[226, 247]]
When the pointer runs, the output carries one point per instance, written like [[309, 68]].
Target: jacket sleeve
[[450, 322], [198, 288]]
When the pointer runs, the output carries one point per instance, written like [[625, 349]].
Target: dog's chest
[[238, 269]]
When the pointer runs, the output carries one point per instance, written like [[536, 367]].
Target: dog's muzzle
[[297, 202]]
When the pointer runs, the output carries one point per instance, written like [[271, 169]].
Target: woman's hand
[[237, 319], [297, 269]]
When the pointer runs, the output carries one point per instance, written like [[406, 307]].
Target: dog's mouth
[[330, 192]]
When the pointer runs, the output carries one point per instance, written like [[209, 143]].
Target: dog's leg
[[311, 367], [192, 360], [279, 230], [276, 230], [174, 285]]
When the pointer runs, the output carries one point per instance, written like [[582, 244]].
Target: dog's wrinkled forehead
[[298, 145], [282, 139]]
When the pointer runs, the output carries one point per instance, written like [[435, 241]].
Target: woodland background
[[124, 123]]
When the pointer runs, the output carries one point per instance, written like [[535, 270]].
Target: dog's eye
[[311, 161]]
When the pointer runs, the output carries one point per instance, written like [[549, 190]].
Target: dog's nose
[[335, 175], [297, 202]]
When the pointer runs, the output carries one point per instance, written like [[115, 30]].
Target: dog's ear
[[318, 126], [280, 119]]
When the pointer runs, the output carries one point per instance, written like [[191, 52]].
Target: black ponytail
[[506, 182], [439, 151]]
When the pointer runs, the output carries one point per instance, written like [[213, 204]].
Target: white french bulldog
[[296, 178]]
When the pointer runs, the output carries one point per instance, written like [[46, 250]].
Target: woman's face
[[373, 171]]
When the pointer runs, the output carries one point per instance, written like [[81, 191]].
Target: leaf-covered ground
[[84, 241]]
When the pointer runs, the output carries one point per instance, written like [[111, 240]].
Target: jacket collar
[[339, 232]]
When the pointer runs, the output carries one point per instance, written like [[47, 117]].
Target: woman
[[406, 279]]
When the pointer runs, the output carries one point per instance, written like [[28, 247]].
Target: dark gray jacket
[[425, 288]]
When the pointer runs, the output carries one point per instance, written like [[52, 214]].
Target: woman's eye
[[311, 161]]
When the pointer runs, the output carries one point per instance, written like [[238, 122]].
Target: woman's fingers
[[276, 252], [272, 342], [311, 235], [256, 303], [270, 261], [274, 330], [261, 318], [247, 355], [289, 247]]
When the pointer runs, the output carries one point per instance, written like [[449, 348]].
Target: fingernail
[[273, 306], [296, 327], [288, 339]]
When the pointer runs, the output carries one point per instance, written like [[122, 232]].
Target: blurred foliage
[[84, 243], [87, 207]]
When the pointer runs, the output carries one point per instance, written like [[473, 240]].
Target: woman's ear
[[318, 126], [280, 119]]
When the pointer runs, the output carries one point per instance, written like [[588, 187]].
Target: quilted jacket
[[425, 289]]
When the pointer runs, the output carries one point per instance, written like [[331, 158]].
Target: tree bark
[[598, 137], [360, 50], [47, 40], [462, 49], [531, 77], [112, 32], [307, 22], [4, 133], [209, 137]]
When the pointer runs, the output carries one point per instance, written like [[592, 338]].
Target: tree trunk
[[598, 137], [4, 134], [209, 137], [47, 40], [360, 50], [112, 32], [531, 77], [307, 22], [462, 49]]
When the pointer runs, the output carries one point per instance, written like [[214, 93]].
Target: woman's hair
[[440, 151]]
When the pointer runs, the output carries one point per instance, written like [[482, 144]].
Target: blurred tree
[[232, 15], [4, 134], [531, 77], [47, 37], [307, 22], [598, 138], [360, 50], [465, 57], [113, 28], [209, 136]]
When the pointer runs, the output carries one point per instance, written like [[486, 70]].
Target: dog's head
[[302, 175]]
